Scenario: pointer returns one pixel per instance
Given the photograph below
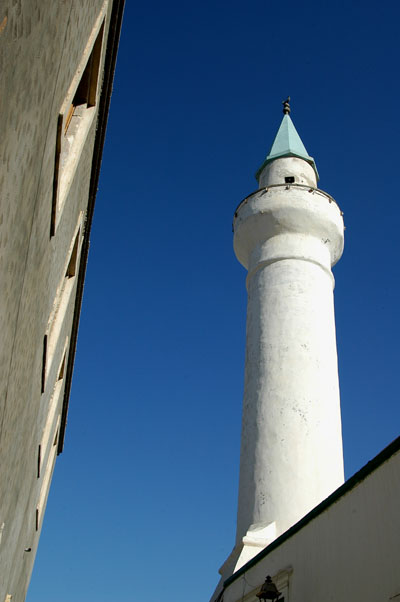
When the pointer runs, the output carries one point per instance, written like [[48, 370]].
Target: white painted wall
[[350, 551], [276, 171]]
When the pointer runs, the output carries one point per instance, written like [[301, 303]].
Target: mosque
[[317, 538], [303, 534]]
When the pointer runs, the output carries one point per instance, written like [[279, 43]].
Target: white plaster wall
[[276, 171], [291, 452], [348, 552]]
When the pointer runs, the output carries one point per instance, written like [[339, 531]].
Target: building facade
[[346, 548], [57, 62]]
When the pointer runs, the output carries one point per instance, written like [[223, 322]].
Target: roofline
[[104, 106], [359, 476]]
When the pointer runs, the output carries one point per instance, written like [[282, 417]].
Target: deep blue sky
[[143, 500]]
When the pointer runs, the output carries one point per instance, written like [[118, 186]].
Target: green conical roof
[[287, 143]]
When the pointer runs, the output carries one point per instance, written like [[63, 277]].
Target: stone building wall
[[43, 44]]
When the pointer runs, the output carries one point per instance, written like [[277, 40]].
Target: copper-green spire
[[287, 143]]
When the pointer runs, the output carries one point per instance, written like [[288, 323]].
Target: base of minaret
[[258, 537]]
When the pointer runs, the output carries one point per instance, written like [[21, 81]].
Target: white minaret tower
[[287, 235]]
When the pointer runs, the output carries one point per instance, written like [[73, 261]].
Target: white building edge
[[347, 548]]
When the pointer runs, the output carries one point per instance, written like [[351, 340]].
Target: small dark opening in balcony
[[289, 180]]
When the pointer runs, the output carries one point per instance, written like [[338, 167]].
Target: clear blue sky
[[143, 501]]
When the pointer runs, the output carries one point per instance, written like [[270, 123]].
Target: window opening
[[44, 489], [44, 362], [85, 95], [63, 297], [71, 269], [56, 437], [62, 368], [75, 118], [48, 438], [39, 460]]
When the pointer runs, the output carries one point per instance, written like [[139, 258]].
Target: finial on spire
[[287, 142], [286, 106]]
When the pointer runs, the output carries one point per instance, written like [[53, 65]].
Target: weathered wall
[[41, 45], [287, 237]]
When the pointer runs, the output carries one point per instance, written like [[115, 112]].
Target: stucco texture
[[41, 45]]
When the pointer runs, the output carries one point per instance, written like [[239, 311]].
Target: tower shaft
[[291, 452], [288, 236]]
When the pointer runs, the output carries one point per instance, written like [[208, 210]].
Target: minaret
[[288, 234]]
